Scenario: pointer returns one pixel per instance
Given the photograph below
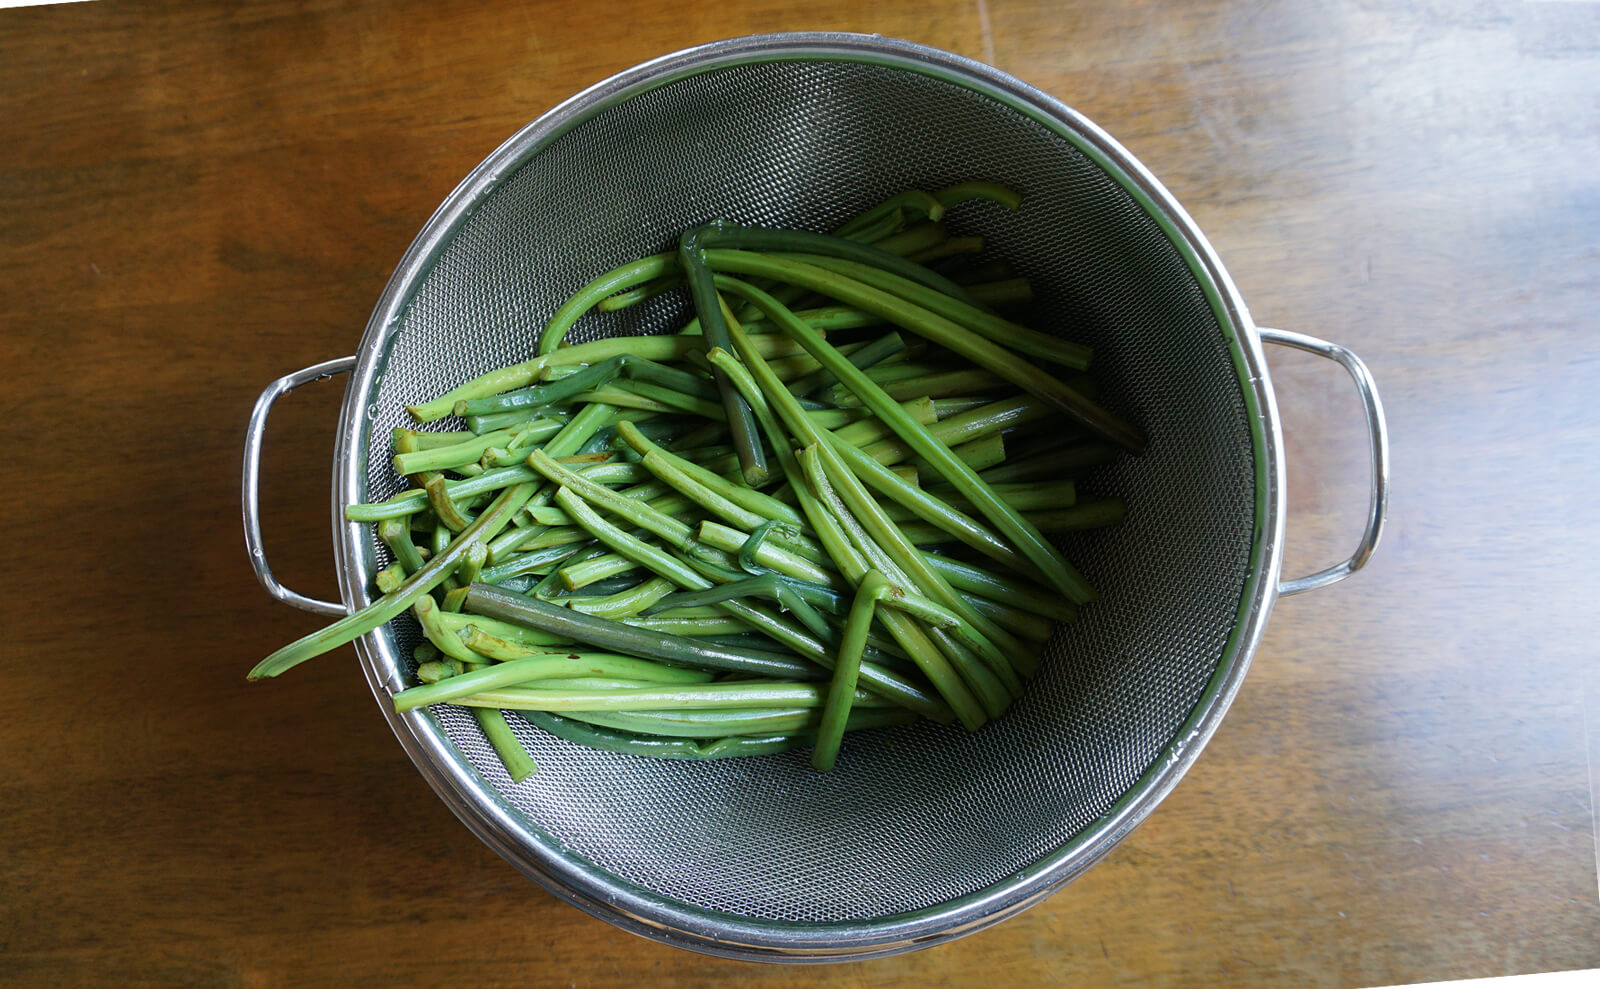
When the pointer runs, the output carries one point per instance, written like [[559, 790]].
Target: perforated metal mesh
[[911, 817]]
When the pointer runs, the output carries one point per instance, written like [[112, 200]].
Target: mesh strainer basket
[[922, 833]]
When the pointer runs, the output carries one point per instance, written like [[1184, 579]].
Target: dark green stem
[[741, 422], [617, 637]]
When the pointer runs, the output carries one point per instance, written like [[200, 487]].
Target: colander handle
[[252, 482], [1377, 434]]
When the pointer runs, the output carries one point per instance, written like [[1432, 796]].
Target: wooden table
[[198, 198]]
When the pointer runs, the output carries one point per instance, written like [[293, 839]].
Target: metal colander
[[924, 832]]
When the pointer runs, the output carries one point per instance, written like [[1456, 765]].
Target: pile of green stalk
[[823, 506]]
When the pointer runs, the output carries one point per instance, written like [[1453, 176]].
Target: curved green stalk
[[772, 586], [768, 555], [445, 508], [428, 612], [956, 309], [976, 348], [616, 280], [724, 236], [640, 293], [752, 546], [912, 201]]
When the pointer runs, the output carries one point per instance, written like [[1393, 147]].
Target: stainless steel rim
[[629, 907]]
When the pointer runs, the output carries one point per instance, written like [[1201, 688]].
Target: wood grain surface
[[198, 197]]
